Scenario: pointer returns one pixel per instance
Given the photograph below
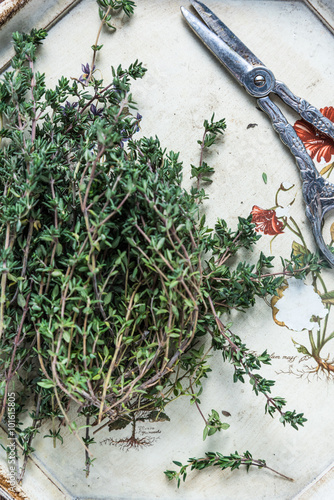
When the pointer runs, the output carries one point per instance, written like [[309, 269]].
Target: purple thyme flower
[[138, 119], [95, 111], [85, 72], [68, 106], [135, 128]]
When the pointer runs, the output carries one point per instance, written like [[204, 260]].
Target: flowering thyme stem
[[96, 43]]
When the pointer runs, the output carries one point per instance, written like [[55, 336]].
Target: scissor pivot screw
[[259, 80]]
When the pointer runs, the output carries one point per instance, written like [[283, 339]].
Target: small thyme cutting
[[233, 461], [110, 277]]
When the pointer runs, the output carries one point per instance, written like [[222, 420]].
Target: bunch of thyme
[[109, 275]]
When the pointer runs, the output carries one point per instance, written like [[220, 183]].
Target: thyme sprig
[[232, 461]]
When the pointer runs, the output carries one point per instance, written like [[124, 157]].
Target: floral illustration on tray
[[301, 306]]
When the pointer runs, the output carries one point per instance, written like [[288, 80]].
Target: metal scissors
[[259, 82]]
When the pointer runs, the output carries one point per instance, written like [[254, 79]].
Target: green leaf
[[46, 384], [21, 300], [212, 430], [328, 297], [299, 249], [59, 249], [158, 416], [55, 292], [66, 335], [224, 426], [161, 243], [107, 298], [215, 414], [177, 463], [174, 283], [56, 273]]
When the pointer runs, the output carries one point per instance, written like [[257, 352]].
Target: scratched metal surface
[[183, 86], [23, 15], [324, 10]]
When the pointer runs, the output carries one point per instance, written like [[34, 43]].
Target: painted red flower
[[316, 143], [266, 221]]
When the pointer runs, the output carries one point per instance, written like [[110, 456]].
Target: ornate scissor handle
[[318, 193], [308, 112]]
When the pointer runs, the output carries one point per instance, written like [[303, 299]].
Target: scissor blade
[[232, 61], [221, 30]]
